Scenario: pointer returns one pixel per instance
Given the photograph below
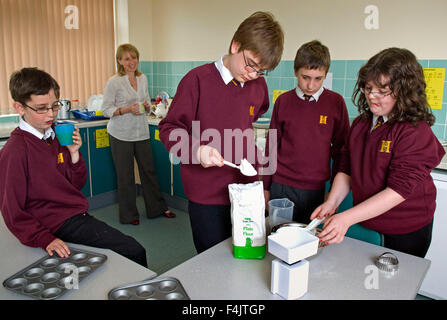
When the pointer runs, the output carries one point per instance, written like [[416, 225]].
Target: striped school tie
[[379, 123], [307, 97]]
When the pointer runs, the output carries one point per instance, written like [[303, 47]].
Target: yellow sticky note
[[102, 138], [434, 78], [276, 94], [157, 135]]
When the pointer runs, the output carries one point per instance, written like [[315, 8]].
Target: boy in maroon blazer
[[387, 161], [311, 124], [210, 119], [41, 181]]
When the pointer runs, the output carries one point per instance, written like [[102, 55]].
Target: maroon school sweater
[[309, 134], [401, 157], [225, 114], [39, 187]]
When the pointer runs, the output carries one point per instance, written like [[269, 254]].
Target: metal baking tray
[[51, 276], [167, 288]]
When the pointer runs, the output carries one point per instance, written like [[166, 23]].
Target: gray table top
[[338, 271], [116, 271]]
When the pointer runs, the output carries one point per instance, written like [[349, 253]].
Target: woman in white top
[[126, 100]]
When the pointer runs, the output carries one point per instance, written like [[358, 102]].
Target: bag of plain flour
[[248, 220]]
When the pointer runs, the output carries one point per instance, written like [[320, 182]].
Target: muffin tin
[[50, 277], [167, 288]]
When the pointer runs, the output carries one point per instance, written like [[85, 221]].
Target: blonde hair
[[127, 47]]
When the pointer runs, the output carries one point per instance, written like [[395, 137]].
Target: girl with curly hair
[[388, 158]]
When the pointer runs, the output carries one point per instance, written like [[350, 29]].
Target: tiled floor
[[168, 242]]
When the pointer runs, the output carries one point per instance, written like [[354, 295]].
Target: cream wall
[[140, 27], [196, 30]]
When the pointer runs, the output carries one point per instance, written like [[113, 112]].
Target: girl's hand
[[334, 229], [324, 210]]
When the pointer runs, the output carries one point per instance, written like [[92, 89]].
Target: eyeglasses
[[376, 94], [54, 107], [250, 68]]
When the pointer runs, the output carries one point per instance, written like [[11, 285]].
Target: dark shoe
[[135, 222], [169, 214]]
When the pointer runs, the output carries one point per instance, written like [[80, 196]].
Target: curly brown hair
[[406, 81]]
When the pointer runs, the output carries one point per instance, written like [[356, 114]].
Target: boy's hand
[[60, 247], [209, 157], [74, 148], [77, 141]]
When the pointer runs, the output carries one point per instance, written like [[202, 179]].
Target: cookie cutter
[[388, 262]]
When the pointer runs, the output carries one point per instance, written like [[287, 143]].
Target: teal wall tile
[[338, 69], [349, 87], [9, 118], [353, 67], [166, 75], [286, 69], [352, 109], [423, 63], [275, 72], [287, 83], [273, 83], [440, 114], [439, 131], [338, 85], [177, 67], [437, 64]]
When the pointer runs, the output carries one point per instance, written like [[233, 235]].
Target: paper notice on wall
[[102, 138], [434, 78], [276, 94]]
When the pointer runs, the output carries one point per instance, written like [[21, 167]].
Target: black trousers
[[210, 224], [415, 243], [87, 230], [123, 153], [305, 201]]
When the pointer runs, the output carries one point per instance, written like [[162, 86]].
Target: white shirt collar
[[374, 121], [385, 119], [25, 126], [224, 72], [315, 96]]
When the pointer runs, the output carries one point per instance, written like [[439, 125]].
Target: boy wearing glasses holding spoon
[[227, 95], [388, 158], [41, 181]]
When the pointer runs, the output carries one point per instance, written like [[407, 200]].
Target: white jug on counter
[[161, 110]]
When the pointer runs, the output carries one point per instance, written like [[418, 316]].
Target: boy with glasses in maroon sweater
[[210, 119], [388, 158], [311, 124], [41, 181]]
